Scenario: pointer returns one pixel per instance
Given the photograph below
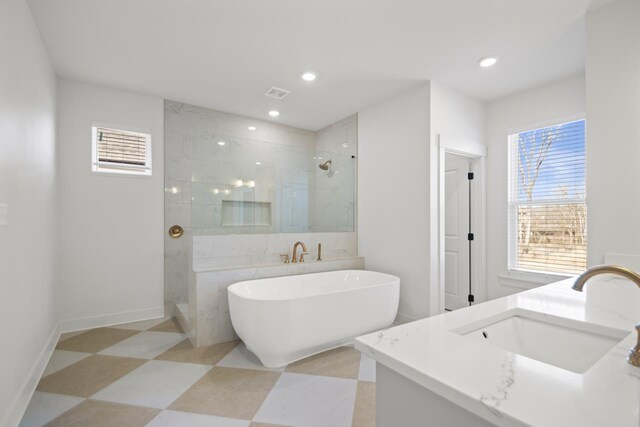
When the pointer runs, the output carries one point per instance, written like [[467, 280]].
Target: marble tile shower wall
[[336, 191], [234, 251], [213, 156]]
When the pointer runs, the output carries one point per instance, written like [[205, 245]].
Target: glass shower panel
[[335, 192], [247, 187]]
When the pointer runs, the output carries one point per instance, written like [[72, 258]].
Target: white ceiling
[[225, 54]]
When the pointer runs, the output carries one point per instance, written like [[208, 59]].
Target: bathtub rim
[[395, 280]]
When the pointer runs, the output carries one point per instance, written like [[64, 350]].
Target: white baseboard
[[82, 323], [25, 392], [403, 318]]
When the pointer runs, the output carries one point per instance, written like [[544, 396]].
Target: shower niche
[[246, 213]]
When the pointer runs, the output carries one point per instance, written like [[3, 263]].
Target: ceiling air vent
[[277, 93]]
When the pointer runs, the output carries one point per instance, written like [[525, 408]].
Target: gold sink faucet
[[634, 353], [302, 254]]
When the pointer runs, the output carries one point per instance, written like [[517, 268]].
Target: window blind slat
[[121, 150], [547, 209]]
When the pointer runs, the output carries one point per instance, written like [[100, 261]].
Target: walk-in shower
[[232, 175]]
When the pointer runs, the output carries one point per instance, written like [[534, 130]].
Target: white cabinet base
[[401, 402]]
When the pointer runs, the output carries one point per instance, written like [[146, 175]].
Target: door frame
[[478, 154]]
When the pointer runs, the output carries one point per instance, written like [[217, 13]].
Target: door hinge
[[470, 236], [470, 176], [471, 298]]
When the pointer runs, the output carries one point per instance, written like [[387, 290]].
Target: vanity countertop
[[508, 389]]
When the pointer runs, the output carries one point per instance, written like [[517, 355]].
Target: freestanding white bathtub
[[284, 319]]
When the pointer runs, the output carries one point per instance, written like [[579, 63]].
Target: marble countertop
[[508, 389]]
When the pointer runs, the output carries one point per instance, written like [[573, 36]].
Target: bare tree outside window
[[532, 151], [551, 213]]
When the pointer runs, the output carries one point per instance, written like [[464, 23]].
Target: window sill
[[529, 279], [122, 174]]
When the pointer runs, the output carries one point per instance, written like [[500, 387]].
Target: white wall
[[458, 121], [393, 194], [27, 186], [456, 116], [544, 105], [111, 243], [613, 129]]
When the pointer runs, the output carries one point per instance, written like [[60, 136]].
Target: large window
[[547, 208], [121, 151]]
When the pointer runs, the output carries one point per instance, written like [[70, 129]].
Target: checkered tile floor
[[147, 373]]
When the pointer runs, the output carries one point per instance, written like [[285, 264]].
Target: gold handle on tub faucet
[[319, 252], [175, 231]]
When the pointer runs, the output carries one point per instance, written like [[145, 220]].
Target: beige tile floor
[[147, 373]]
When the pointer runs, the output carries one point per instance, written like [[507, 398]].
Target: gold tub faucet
[[302, 254]]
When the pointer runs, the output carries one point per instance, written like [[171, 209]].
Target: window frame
[[114, 169], [514, 272]]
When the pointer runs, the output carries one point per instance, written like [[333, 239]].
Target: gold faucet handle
[[302, 254], [286, 258]]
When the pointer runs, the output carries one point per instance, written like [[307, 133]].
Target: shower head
[[325, 166]]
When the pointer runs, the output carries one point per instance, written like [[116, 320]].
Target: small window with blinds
[[121, 151], [547, 207]]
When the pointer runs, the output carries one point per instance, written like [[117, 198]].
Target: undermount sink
[[565, 343]]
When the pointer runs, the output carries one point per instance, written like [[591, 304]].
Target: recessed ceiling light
[[258, 163], [274, 113], [221, 142], [488, 61], [309, 77], [251, 128]]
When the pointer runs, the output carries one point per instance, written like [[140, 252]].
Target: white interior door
[[456, 227]]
